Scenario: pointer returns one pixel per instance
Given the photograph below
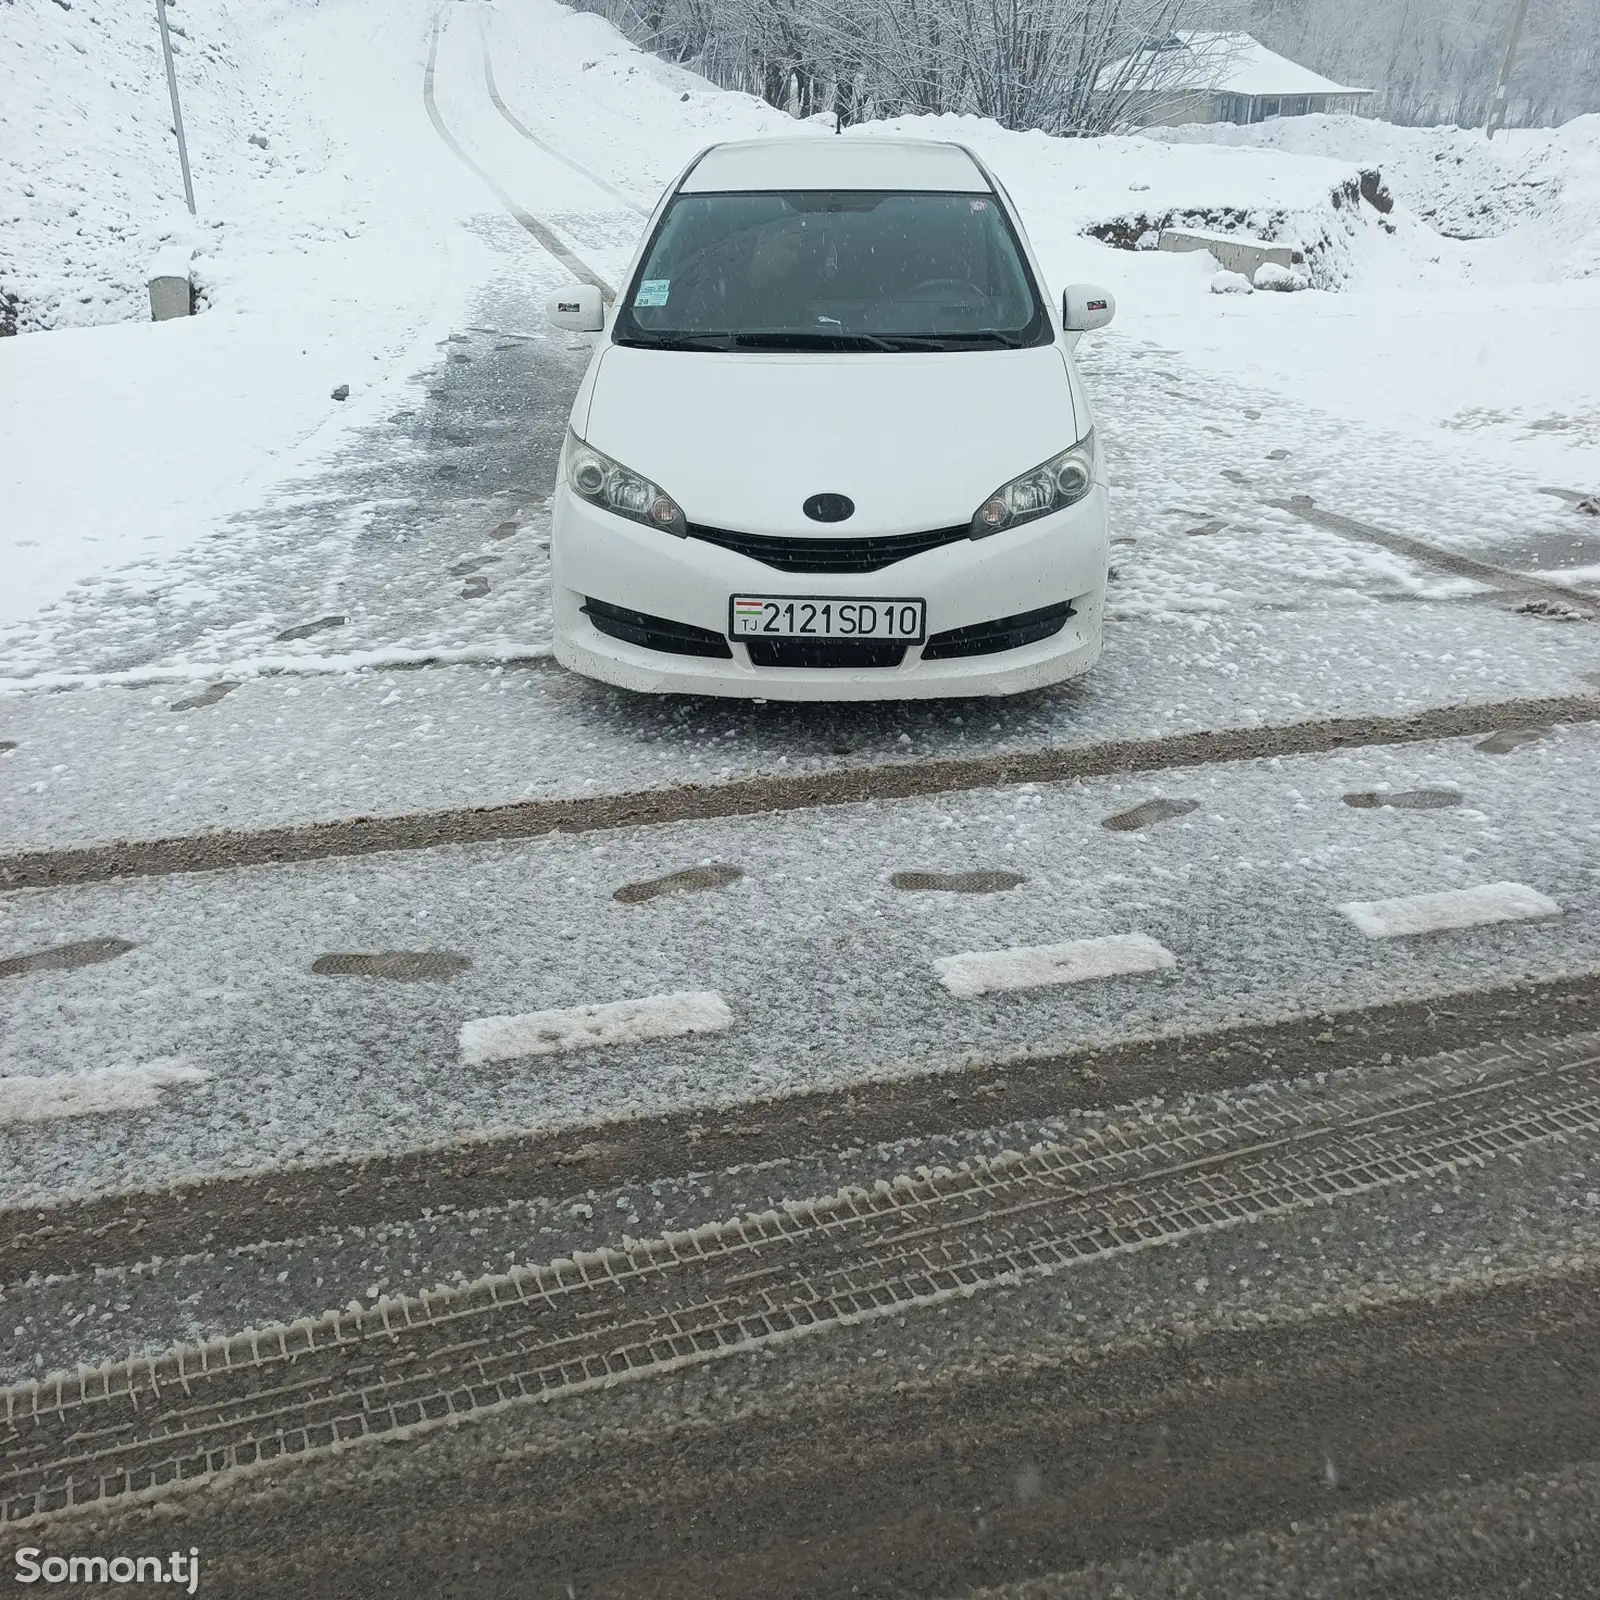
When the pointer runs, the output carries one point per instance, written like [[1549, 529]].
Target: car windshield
[[833, 269]]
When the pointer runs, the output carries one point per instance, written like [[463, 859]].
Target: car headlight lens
[[1053, 485], [594, 476]]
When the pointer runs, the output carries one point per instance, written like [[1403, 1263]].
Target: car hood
[[740, 440]]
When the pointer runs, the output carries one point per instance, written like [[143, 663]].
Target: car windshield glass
[[833, 269]]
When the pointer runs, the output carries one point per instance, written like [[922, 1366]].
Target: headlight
[[1061, 481], [595, 477]]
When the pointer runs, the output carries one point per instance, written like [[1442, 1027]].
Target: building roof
[[1221, 63], [815, 162]]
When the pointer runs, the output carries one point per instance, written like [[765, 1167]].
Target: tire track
[[1568, 600], [321, 841], [417, 1363], [538, 229], [534, 139]]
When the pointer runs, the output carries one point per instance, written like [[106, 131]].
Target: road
[[1253, 1253]]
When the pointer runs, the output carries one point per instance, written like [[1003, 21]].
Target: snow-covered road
[[827, 965], [1225, 898]]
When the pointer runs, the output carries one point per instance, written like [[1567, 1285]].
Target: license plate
[[790, 616]]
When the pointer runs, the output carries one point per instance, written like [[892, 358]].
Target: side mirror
[[1085, 308], [579, 309]]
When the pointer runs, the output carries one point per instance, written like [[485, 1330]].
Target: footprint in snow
[[304, 630], [474, 588], [687, 881], [991, 881], [1152, 811], [1506, 740], [64, 957], [398, 966], [1405, 800], [208, 696]]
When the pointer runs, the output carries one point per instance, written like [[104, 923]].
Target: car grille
[[1004, 633], [826, 652], [656, 633], [829, 553]]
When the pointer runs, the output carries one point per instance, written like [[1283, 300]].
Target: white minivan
[[833, 445]]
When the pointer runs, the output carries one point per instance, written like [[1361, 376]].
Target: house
[[1196, 76]]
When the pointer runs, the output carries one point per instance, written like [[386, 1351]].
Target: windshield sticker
[[653, 292]]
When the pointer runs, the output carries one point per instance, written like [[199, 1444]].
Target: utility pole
[[177, 110], [1497, 101]]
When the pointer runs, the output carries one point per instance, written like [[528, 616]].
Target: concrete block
[[171, 291], [1233, 251]]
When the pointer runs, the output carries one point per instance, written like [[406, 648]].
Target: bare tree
[[1433, 61], [1026, 63]]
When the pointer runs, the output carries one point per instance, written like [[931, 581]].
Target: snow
[[96, 1092], [1226, 63], [1038, 966], [617, 1022], [824, 963], [1226, 282], [1449, 908], [324, 258], [1269, 275]]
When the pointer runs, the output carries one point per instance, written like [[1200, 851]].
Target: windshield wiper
[[959, 341], [701, 341], [806, 339]]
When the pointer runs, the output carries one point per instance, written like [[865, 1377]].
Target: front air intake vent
[[828, 552], [656, 633]]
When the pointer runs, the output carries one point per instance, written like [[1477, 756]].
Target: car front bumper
[[597, 555]]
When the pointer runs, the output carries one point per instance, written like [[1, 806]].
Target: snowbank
[[1540, 184]]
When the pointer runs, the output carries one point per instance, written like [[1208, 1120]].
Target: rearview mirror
[[578, 308], [1085, 308]]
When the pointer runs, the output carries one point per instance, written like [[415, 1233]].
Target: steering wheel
[[929, 285]]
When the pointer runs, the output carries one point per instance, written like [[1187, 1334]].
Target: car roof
[[868, 161]]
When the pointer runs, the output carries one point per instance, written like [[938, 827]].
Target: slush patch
[[978, 972], [1448, 909], [475, 588], [398, 966], [1508, 739], [980, 882], [504, 530], [685, 882], [63, 957], [304, 630], [1406, 800], [653, 292], [544, 1033], [208, 696], [1142, 816], [103, 1090]]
